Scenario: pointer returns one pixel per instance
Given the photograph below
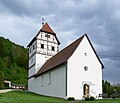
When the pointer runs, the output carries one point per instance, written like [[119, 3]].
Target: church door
[[86, 89]]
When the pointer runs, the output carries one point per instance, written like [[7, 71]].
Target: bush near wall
[[92, 98], [71, 99], [89, 98]]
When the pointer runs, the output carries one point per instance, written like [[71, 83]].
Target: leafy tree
[[11, 55], [13, 62], [1, 80], [22, 60], [110, 89], [1, 49]]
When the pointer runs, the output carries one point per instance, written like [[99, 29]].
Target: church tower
[[42, 47]]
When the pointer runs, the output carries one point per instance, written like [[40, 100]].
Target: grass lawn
[[26, 97], [102, 101]]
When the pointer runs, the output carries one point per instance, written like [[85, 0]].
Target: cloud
[[17, 29], [21, 20], [112, 72]]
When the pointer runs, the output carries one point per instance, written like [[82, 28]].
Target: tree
[[1, 80], [1, 49], [22, 60], [110, 89], [13, 62]]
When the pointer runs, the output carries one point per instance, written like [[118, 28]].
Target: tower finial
[[42, 21]]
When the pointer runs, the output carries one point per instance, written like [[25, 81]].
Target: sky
[[20, 20]]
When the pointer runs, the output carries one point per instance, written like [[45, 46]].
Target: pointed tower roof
[[47, 28]]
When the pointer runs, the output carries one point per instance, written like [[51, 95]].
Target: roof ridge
[[60, 57]]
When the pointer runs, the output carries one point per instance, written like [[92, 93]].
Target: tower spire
[[43, 21]]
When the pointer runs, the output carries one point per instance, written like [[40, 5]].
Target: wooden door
[[86, 89]]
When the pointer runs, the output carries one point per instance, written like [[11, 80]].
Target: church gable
[[60, 57], [87, 49], [45, 32], [48, 33], [64, 55], [92, 51], [84, 67]]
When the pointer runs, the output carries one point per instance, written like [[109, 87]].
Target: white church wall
[[42, 84], [77, 76], [35, 63], [31, 71], [40, 60], [32, 61]]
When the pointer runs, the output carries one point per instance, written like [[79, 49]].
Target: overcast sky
[[20, 20]]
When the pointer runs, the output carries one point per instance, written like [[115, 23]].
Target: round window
[[86, 68]]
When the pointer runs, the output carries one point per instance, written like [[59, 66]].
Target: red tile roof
[[60, 57], [63, 56], [47, 28]]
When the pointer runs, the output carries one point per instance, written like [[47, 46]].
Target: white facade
[[78, 76], [52, 83]]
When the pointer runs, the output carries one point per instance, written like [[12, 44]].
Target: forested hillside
[[13, 62]]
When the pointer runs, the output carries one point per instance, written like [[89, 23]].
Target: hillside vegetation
[[13, 62]]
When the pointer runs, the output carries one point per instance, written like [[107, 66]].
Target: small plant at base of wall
[[89, 98], [92, 98], [71, 99]]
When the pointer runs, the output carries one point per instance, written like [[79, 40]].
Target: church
[[75, 71]]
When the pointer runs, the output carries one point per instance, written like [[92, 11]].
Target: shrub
[[71, 99], [92, 98], [87, 98]]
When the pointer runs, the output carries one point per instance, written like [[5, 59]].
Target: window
[[30, 50], [33, 47], [47, 35], [42, 46], [53, 48], [86, 68], [85, 54]]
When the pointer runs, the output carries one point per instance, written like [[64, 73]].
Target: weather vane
[[42, 21]]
